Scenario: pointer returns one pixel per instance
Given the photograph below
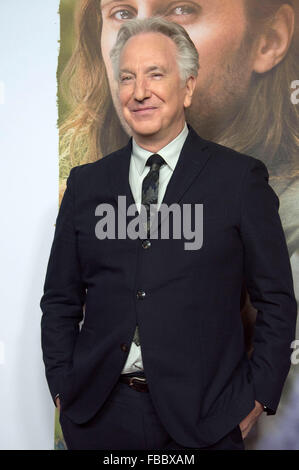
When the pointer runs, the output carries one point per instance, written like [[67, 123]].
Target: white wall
[[29, 33]]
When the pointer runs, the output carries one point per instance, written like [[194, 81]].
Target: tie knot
[[155, 161]]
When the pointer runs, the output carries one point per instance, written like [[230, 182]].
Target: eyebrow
[[104, 3], [155, 67]]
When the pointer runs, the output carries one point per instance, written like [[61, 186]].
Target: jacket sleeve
[[64, 294], [268, 278]]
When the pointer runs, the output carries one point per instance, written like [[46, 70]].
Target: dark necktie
[[149, 193], [150, 185]]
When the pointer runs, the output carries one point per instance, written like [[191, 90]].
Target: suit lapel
[[119, 175], [191, 161], [193, 157]]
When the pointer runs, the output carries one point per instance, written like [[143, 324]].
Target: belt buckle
[[138, 383], [141, 379]]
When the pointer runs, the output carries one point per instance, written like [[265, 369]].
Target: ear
[[190, 86], [275, 41]]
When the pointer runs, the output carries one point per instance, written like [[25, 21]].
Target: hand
[[57, 401], [251, 419]]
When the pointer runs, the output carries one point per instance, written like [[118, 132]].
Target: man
[[153, 310]]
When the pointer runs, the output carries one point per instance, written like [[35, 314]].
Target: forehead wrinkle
[[147, 69]]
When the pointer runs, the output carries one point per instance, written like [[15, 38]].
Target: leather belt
[[138, 383]]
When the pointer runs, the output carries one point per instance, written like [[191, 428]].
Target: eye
[[184, 12], [125, 78], [122, 15], [156, 75]]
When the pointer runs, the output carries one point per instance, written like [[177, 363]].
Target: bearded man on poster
[[142, 339]]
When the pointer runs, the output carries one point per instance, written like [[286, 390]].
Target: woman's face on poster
[[217, 28]]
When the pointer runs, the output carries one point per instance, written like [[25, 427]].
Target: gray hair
[[187, 55]]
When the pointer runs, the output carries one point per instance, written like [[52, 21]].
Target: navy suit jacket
[[200, 378]]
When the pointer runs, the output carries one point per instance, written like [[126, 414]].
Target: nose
[[141, 90]]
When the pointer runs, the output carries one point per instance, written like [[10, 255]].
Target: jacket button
[[124, 347], [141, 294], [146, 244]]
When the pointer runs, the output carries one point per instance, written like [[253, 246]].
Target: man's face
[[217, 28], [151, 93]]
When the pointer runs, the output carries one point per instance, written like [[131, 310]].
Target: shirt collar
[[170, 152]]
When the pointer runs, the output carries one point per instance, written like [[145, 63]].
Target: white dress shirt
[[138, 171]]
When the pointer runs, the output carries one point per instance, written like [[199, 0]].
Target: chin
[[145, 129]]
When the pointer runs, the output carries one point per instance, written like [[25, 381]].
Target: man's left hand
[[247, 423]]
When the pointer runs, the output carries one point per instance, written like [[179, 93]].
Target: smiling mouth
[[144, 110]]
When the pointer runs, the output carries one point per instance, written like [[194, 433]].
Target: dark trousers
[[128, 420]]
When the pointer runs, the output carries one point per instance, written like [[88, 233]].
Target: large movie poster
[[246, 98]]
